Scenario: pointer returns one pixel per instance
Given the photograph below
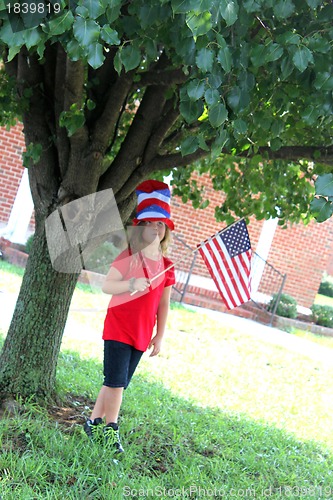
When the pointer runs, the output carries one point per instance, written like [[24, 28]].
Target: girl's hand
[[140, 284], [156, 344]]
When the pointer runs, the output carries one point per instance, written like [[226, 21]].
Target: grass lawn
[[217, 413]]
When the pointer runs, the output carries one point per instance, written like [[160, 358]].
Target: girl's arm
[[162, 316], [114, 283]]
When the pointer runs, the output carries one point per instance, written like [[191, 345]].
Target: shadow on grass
[[173, 448]]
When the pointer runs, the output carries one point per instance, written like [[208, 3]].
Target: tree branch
[[318, 154], [63, 146], [169, 117], [74, 94], [43, 175], [165, 162], [133, 147], [159, 77]]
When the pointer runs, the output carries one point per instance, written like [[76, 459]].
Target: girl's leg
[[108, 404]]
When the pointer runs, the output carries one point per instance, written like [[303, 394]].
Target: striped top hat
[[153, 203]]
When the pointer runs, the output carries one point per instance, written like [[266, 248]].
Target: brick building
[[301, 252]]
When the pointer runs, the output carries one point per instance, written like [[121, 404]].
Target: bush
[[287, 306], [29, 243], [101, 259], [326, 288], [322, 315]]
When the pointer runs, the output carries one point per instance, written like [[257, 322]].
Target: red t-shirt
[[131, 318]]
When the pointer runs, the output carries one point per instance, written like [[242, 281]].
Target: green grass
[[323, 300], [217, 408]]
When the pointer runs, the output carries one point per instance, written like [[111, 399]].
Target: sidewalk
[[262, 332]]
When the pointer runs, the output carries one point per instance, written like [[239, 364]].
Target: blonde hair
[[137, 243]]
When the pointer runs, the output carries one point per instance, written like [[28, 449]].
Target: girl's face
[[153, 231]]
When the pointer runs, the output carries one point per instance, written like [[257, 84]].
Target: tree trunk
[[29, 357]]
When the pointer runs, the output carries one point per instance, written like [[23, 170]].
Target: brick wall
[[11, 147], [301, 252]]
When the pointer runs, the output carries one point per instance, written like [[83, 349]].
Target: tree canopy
[[247, 85]]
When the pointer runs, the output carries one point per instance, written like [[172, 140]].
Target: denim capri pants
[[120, 362]]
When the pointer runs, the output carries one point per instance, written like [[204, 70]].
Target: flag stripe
[[226, 269], [227, 256], [216, 276]]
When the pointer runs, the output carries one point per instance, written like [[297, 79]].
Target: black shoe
[[91, 427], [112, 439]]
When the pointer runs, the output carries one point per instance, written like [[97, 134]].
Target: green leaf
[[82, 12], [74, 50], [32, 154], [251, 5], [191, 110], [117, 62], [32, 37], [274, 52], [95, 55], [200, 23], [238, 99], [288, 38], [217, 115], [321, 209], [86, 31], [287, 67], [224, 58], [324, 185], [189, 145], [185, 6], [302, 58], [310, 115], [283, 9], [149, 14], [94, 8], [13, 51], [240, 126], [258, 54], [130, 57], [205, 60], [90, 104], [109, 35], [212, 96], [196, 89], [229, 11], [313, 4], [9, 37], [59, 24], [324, 81], [72, 120], [202, 143], [276, 144]]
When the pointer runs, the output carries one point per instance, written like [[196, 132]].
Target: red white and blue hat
[[153, 203]]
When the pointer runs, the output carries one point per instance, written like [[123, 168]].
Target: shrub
[[326, 288], [287, 306], [322, 315], [28, 244], [101, 259]]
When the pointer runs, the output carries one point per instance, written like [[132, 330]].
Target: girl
[[140, 284]]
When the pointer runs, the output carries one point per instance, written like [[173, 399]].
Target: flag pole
[[190, 253]]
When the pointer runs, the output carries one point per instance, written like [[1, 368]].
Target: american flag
[[227, 256]]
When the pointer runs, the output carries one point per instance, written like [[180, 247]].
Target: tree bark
[[29, 357]]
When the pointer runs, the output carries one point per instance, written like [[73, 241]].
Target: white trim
[[17, 227], [263, 248]]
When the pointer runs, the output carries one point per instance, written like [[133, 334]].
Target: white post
[[263, 248], [18, 223]]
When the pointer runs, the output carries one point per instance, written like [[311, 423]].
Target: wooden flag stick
[[190, 253]]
